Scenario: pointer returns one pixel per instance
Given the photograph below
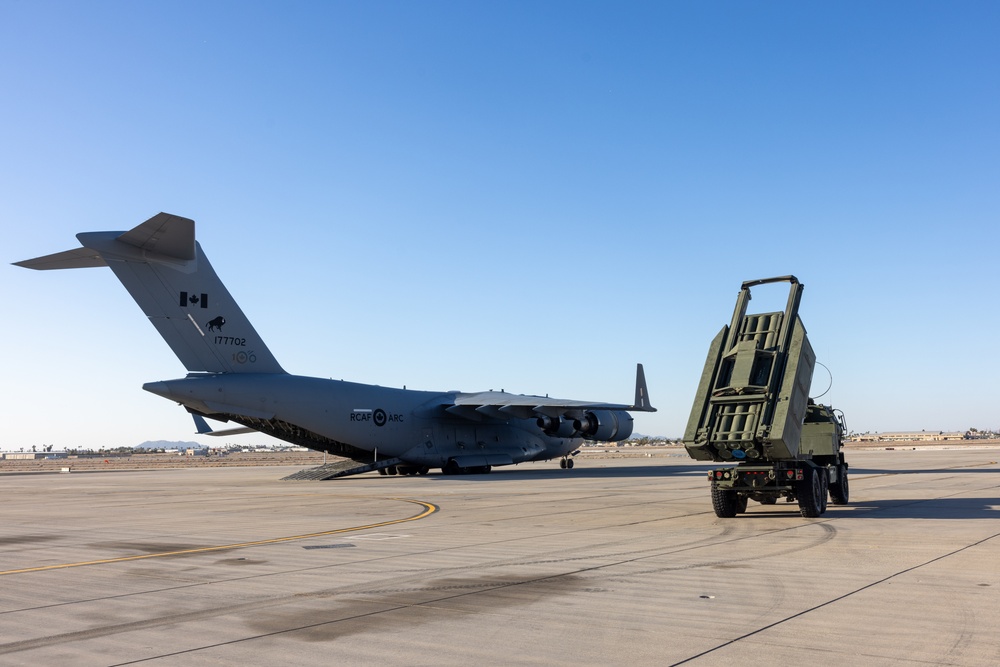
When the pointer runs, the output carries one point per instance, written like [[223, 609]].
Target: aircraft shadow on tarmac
[[523, 472], [527, 471], [861, 508], [590, 471]]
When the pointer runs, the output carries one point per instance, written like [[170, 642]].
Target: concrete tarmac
[[616, 562]]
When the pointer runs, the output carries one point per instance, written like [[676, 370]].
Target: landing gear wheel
[[808, 494], [562, 463], [839, 491], [724, 502], [391, 470], [423, 470], [569, 463], [382, 471]]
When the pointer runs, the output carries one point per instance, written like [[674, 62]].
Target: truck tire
[[724, 502], [839, 490], [824, 488], [808, 495]]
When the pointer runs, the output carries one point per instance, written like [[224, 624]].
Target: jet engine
[[605, 425], [556, 427]]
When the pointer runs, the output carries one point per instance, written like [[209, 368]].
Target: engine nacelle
[[605, 425], [556, 427]]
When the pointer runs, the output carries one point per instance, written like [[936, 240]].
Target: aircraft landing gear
[[566, 463]]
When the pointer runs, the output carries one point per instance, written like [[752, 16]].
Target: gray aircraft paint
[[232, 375]]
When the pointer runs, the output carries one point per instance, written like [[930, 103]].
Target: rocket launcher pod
[[753, 398]]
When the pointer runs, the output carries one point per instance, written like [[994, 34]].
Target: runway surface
[[616, 562]]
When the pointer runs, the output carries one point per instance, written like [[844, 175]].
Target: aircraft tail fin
[[164, 269]]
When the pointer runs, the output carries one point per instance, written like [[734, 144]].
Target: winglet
[[201, 425], [641, 393], [205, 429]]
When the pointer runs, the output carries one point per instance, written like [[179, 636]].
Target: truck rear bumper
[[752, 478]]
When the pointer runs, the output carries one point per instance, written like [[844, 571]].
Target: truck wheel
[[741, 504], [824, 489], [839, 491], [808, 495], [724, 502]]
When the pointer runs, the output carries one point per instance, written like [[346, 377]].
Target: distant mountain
[[170, 444]]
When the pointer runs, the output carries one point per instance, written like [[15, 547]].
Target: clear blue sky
[[522, 195]]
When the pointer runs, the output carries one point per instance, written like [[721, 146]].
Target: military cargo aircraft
[[233, 377]]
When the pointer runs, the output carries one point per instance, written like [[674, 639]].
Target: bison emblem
[[216, 324]]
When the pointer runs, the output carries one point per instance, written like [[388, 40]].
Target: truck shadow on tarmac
[[896, 508], [928, 508], [923, 471]]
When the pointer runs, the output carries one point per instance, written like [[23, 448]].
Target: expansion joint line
[[836, 599]]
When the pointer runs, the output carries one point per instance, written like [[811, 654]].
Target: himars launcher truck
[[753, 412]]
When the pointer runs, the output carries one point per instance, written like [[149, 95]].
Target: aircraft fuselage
[[388, 422]]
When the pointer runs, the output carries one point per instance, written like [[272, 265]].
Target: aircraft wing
[[503, 405]]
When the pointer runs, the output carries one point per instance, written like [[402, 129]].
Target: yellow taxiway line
[[429, 508]]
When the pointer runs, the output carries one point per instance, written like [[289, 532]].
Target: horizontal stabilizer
[[78, 258]]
